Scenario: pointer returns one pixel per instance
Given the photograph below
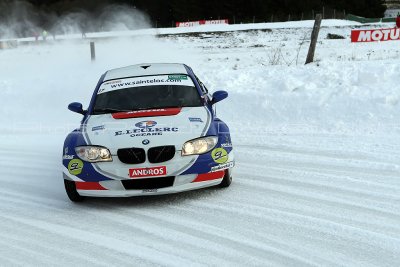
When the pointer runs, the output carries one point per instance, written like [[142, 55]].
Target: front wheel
[[226, 182], [72, 194]]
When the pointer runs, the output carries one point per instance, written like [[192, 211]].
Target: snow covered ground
[[317, 181]]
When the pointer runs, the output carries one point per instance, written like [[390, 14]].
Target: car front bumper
[[116, 188]]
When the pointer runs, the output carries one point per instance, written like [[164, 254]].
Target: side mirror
[[219, 96], [76, 107]]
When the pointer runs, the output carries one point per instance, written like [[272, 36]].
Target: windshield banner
[[176, 79]]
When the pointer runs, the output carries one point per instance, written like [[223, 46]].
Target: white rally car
[[149, 129]]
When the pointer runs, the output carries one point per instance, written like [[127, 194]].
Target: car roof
[[145, 70]]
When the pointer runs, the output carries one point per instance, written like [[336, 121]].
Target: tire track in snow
[[278, 213], [310, 164], [63, 250], [109, 243], [239, 248], [379, 196], [303, 151], [318, 232], [377, 156], [328, 210], [29, 250], [293, 178], [383, 205]]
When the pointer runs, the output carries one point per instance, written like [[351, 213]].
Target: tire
[[72, 194], [226, 182]]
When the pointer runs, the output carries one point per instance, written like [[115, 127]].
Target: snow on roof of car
[[145, 70]]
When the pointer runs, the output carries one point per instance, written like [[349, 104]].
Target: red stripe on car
[[89, 186], [147, 113], [209, 176]]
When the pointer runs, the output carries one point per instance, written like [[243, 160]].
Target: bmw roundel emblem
[[145, 142]]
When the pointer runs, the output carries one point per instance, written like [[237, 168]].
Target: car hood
[[148, 128]]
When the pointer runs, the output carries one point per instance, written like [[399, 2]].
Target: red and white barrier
[[201, 22], [377, 35]]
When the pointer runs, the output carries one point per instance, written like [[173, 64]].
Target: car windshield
[[143, 93]]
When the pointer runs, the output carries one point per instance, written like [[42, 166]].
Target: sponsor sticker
[[195, 120], [75, 166], [148, 172], [68, 157], [146, 124], [219, 155], [146, 128], [112, 82], [228, 142], [147, 113], [98, 128], [177, 77], [223, 166], [150, 191], [226, 145]]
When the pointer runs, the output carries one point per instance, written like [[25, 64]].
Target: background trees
[[44, 13], [249, 10]]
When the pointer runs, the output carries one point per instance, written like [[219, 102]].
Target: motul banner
[[219, 21], [201, 22], [188, 24], [378, 35]]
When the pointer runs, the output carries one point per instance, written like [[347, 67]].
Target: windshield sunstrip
[[179, 79]]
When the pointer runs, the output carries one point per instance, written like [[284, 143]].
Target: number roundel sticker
[[219, 155], [75, 166]]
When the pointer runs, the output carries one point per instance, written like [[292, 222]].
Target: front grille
[[148, 183], [161, 154], [132, 155]]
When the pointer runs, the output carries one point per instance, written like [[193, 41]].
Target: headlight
[[93, 153], [199, 146]]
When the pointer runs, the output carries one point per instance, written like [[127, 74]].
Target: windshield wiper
[[109, 110]]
